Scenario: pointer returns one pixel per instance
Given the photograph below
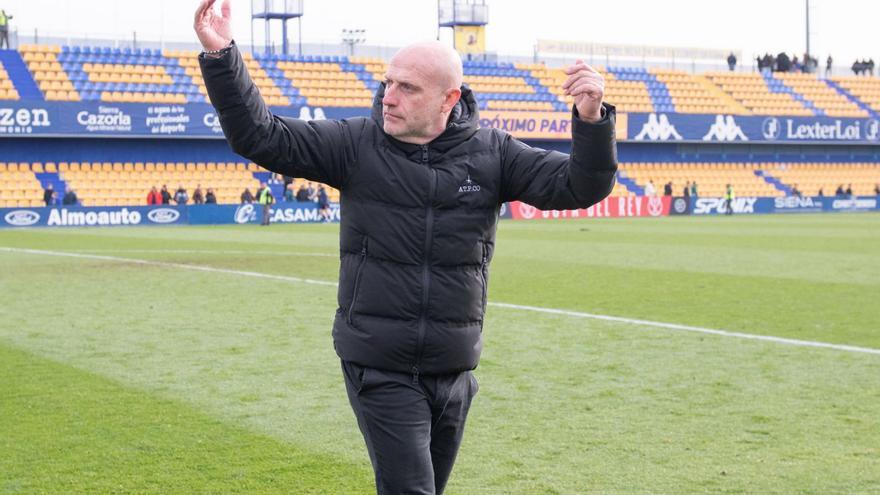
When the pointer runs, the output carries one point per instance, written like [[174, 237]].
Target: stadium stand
[[100, 73], [710, 177], [811, 177], [753, 92], [862, 91], [127, 183], [7, 90], [824, 97]]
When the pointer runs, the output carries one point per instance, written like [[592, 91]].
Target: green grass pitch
[[151, 377]]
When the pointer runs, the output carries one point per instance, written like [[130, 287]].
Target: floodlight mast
[[283, 10]]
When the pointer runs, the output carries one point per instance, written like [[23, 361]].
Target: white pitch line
[[536, 309], [184, 266], [205, 251]]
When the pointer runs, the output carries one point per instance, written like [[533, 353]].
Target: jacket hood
[[464, 120]]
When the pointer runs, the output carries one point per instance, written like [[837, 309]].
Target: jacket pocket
[[357, 279]]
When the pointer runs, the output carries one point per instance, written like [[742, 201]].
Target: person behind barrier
[[181, 196], [266, 199], [247, 197], [729, 196], [210, 198], [153, 197], [69, 198], [49, 195], [166, 195], [421, 185], [198, 198], [4, 29]]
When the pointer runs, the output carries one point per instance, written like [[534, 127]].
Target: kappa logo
[[725, 128], [305, 113], [469, 186], [658, 128]]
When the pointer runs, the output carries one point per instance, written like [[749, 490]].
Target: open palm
[[214, 31]]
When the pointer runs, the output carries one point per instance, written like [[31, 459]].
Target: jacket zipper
[[426, 266], [483, 267], [357, 278]]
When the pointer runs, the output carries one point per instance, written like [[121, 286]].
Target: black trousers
[[412, 427]]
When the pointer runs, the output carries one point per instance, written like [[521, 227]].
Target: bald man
[[421, 187]]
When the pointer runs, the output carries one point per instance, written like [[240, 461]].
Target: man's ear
[[452, 97]]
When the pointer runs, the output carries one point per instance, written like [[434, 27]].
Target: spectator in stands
[[731, 61], [783, 63], [181, 196], [198, 198], [313, 193], [210, 199], [821, 192], [795, 191], [49, 196], [869, 66], [166, 196], [686, 192], [323, 203], [849, 191], [829, 62], [840, 192], [650, 190], [729, 196], [858, 67], [694, 189], [877, 189], [247, 197], [69, 197], [416, 272], [288, 193], [265, 198], [796, 65], [302, 194], [154, 197], [667, 189], [4, 29]]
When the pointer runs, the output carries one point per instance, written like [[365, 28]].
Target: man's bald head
[[440, 62], [422, 86]]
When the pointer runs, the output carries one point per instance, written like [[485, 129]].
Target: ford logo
[[245, 213], [163, 215], [22, 218]]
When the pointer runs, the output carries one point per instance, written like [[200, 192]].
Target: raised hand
[[587, 87], [214, 32]]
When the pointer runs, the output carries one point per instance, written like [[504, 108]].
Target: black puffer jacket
[[418, 222]]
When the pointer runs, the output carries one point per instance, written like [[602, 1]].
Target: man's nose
[[390, 98]]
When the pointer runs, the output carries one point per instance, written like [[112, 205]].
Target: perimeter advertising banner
[[674, 127], [93, 119], [539, 125], [624, 206]]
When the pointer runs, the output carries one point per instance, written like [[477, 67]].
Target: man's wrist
[[218, 53]]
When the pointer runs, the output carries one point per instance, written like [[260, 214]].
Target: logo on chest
[[469, 186]]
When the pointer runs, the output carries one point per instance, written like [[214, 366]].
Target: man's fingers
[[578, 78], [587, 88], [225, 10], [578, 66], [203, 8]]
